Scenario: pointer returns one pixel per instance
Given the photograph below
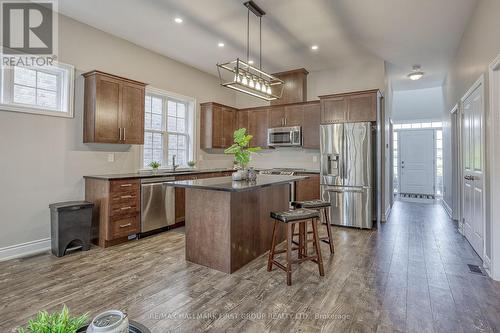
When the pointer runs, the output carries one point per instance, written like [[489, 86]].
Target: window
[[168, 129], [43, 90]]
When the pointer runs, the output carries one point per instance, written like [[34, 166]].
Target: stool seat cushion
[[295, 215], [312, 204]]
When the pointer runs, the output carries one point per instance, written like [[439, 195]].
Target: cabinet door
[[333, 110], [132, 114], [276, 117], [362, 107], [242, 119], [257, 126], [294, 115], [228, 126], [107, 110], [217, 127], [310, 126], [308, 189]]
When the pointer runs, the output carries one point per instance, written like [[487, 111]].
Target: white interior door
[[417, 161], [473, 169]]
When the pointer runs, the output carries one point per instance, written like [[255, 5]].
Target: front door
[[417, 161], [473, 169]]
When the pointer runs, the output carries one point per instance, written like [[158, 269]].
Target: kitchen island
[[228, 223]]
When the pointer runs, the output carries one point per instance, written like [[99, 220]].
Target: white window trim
[[190, 119], [68, 95]]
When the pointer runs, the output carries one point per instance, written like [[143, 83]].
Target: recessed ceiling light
[[314, 47], [417, 74], [250, 62], [221, 44], [178, 20]]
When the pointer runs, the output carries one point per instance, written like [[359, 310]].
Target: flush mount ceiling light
[[314, 47], [178, 20], [221, 44], [241, 76], [416, 74]]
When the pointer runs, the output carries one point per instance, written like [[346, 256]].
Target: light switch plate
[[111, 157], [315, 158]]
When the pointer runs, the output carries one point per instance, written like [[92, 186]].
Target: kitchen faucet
[[173, 163]]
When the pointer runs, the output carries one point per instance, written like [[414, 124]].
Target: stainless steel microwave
[[284, 136]]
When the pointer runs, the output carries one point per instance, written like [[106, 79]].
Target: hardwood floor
[[411, 275]]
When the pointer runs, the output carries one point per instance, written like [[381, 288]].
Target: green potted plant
[[154, 165], [191, 164], [241, 150], [60, 322]]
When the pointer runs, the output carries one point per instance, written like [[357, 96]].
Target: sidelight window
[[169, 128]]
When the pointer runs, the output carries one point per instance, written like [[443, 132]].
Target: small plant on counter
[[241, 150], [57, 322], [191, 164], [154, 165]]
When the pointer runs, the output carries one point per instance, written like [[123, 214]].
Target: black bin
[[70, 225]]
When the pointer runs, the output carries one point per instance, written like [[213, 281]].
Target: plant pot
[[155, 171], [240, 175]]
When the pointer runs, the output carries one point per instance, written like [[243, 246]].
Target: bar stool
[[320, 206], [290, 218]]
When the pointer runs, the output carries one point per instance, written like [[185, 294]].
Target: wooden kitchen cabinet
[[242, 119], [257, 126], [310, 125], [308, 189], [350, 107], [116, 213], [113, 109], [218, 123], [294, 115], [276, 116]]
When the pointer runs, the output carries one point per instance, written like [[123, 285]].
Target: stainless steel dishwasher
[[157, 203]]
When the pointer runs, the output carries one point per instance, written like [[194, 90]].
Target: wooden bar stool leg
[[301, 242], [329, 231], [317, 247], [289, 235], [273, 245], [303, 235]]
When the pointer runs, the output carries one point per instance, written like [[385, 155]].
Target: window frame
[[190, 119], [65, 91]]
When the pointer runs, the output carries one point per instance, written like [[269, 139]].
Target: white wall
[[418, 105], [479, 46], [43, 160]]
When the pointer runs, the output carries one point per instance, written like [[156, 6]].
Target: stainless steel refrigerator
[[347, 164]]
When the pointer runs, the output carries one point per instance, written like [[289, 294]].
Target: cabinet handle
[[126, 196], [125, 208], [120, 134], [285, 121], [126, 185], [125, 225], [124, 138]]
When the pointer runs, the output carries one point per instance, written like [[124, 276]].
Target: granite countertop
[[167, 173], [228, 185], [151, 175]]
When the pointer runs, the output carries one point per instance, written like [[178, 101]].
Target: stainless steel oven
[[284, 136]]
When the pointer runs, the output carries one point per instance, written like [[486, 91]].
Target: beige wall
[[479, 47], [387, 188], [43, 158]]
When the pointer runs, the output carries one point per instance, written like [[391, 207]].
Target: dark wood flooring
[[410, 275]]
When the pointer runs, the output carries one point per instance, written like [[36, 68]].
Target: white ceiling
[[401, 32]]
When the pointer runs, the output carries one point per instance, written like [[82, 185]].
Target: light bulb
[[263, 88], [269, 92], [257, 85], [251, 83], [244, 81]]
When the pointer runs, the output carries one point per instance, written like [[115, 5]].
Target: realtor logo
[[28, 27]]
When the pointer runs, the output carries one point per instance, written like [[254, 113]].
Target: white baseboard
[[487, 265], [24, 249], [386, 214], [447, 208]]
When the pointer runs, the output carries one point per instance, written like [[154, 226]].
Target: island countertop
[[228, 185]]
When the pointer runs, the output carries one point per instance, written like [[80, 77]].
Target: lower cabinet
[[117, 209], [308, 189]]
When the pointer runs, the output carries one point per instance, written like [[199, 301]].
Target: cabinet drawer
[[124, 227], [130, 186], [124, 209]]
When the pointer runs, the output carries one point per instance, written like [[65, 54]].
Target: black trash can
[[70, 225]]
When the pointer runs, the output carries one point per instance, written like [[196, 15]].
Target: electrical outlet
[[315, 159], [111, 157]]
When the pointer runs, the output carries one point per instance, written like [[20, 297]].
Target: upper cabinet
[[258, 123], [310, 125], [113, 109], [218, 123], [350, 107], [295, 87]]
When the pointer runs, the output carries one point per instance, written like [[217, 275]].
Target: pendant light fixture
[[416, 74], [241, 76]]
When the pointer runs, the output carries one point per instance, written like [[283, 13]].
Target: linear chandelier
[[239, 75]]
